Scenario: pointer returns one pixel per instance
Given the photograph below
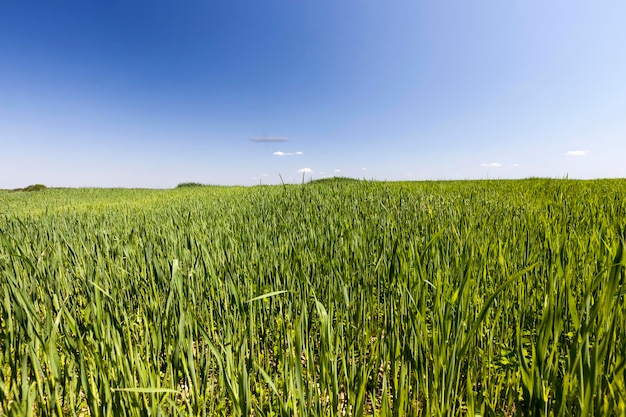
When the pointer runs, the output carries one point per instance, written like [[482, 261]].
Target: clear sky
[[138, 93]]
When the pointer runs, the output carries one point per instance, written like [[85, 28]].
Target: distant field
[[328, 298]]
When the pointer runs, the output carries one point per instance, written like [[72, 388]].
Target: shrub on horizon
[[190, 184], [33, 187]]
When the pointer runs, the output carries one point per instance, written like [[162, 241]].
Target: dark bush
[[34, 187], [190, 184]]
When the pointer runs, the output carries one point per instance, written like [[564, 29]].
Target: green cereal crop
[[329, 298]]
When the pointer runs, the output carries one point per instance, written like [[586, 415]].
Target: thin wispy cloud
[[268, 139], [337, 170], [281, 153], [492, 165], [577, 153], [516, 165], [305, 170]]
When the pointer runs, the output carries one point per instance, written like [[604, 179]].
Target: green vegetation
[[328, 298], [190, 184], [334, 180], [34, 187]]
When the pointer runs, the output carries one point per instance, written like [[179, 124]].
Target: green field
[[334, 297]]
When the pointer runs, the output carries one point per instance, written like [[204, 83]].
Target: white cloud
[[492, 165], [269, 139], [305, 170], [516, 165], [281, 153], [577, 153], [337, 170]]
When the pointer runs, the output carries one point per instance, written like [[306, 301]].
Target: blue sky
[[140, 93]]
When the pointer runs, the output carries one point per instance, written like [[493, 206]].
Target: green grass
[[327, 298]]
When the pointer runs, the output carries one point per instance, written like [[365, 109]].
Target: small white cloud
[[337, 170], [516, 165], [268, 139], [305, 170], [492, 165], [281, 153], [265, 175], [577, 153]]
